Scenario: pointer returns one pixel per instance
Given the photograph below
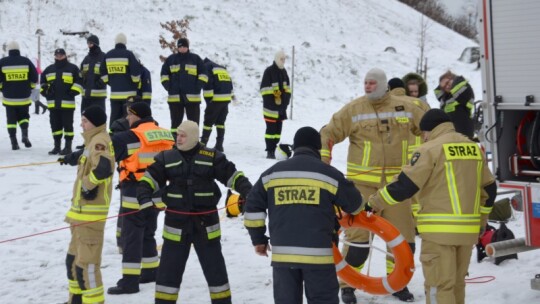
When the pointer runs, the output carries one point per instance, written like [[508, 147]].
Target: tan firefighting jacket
[[94, 174], [455, 187], [378, 133]]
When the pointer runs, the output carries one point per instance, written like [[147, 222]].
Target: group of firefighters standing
[[400, 153]]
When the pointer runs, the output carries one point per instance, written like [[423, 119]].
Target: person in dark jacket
[[456, 98], [95, 90], [18, 76], [122, 72], [134, 150], [183, 76], [145, 86], [218, 92], [60, 83], [185, 177], [298, 195], [276, 95]]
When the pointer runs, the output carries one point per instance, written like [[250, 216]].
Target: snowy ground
[[328, 74]]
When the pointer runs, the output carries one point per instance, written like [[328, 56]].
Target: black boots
[[38, 104], [126, 285], [25, 139], [116, 290], [404, 295], [56, 149], [67, 147], [348, 296], [219, 144], [14, 143]]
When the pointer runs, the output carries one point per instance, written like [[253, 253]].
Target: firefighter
[[299, 195], [95, 90], [145, 86], [186, 177], [218, 92], [18, 76], [456, 190], [456, 98], [135, 150], [60, 83], [89, 208], [183, 76], [276, 95], [378, 126], [122, 72]]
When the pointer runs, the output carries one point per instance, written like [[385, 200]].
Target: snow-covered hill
[[336, 43]]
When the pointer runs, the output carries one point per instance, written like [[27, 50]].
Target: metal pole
[[292, 83]]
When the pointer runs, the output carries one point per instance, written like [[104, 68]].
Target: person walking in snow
[[276, 94], [60, 83], [183, 75], [89, 208], [302, 226], [185, 178], [18, 76]]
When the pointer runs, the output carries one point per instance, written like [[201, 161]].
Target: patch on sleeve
[[415, 158], [400, 108], [99, 147]]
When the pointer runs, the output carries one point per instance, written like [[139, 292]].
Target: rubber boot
[[207, 130], [25, 139], [36, 107], [56, 149], [67, 147], [271, 154], [41, 105], [14, 143], [348, 296], [219, 144], [404, 295]]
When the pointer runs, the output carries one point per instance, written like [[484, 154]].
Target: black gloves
[[241, 202], [89, 194], [62, 161], [368, 208]]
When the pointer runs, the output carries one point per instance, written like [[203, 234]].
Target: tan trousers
[[445, 268], [399, 215]]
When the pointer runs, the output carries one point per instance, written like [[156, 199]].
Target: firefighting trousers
[[86, 102], [139, 254], [174, 257], [83, 263], [321, 285], [118, 109], [272, 134], [17, 115], [399, 215], [215, 114], [61, 121], [177, 109], [445, 268]]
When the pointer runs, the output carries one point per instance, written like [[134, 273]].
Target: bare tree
[[179, 29], [421, 66]]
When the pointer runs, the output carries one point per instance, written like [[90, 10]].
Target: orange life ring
[[403, 257]]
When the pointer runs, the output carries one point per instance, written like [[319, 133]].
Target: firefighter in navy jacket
[[183, 75], [276, 95], [218, 92], [95, 90], [60, 83], [135, 150], [186, 178], [122, 72], [299, 195], [18, 76]]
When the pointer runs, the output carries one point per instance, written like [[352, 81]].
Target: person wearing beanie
[[122, 124], [298, 195], [456, 98], [62, 82], [218, 93], [378, 126], [183, 85], [95, 90], [186, 179], [456, 190], [122, 72], [92, 192], [135, 231], [276, 95], [18, 77]]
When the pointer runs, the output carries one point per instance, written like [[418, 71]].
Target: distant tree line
[[464, 24]]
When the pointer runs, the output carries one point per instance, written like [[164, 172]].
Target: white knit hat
[[120, 39], [12, 45], [382, 86]]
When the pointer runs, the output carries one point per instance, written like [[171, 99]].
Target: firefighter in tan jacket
[[378, 127], [89, 208], [449, 173]]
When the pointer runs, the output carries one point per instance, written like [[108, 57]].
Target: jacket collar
[[444, 128], [306, 151], [87, 135]]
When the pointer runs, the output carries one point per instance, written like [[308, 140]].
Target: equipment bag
[[501, 211], [503, 234]]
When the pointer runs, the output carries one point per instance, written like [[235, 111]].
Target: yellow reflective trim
[[254, 223], [74, 287], [214, 234], [303, 259], [166, 296], [129, 205], [479, 167], [404, 154], [171, 236], [462, 151], [325, 153], [387, 197], [150, 265], [448, 228], [485, 210], [367, 153], [85, 217], [452, 188], [131, 271], [220, 295], [300, 182], [149, 181]]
